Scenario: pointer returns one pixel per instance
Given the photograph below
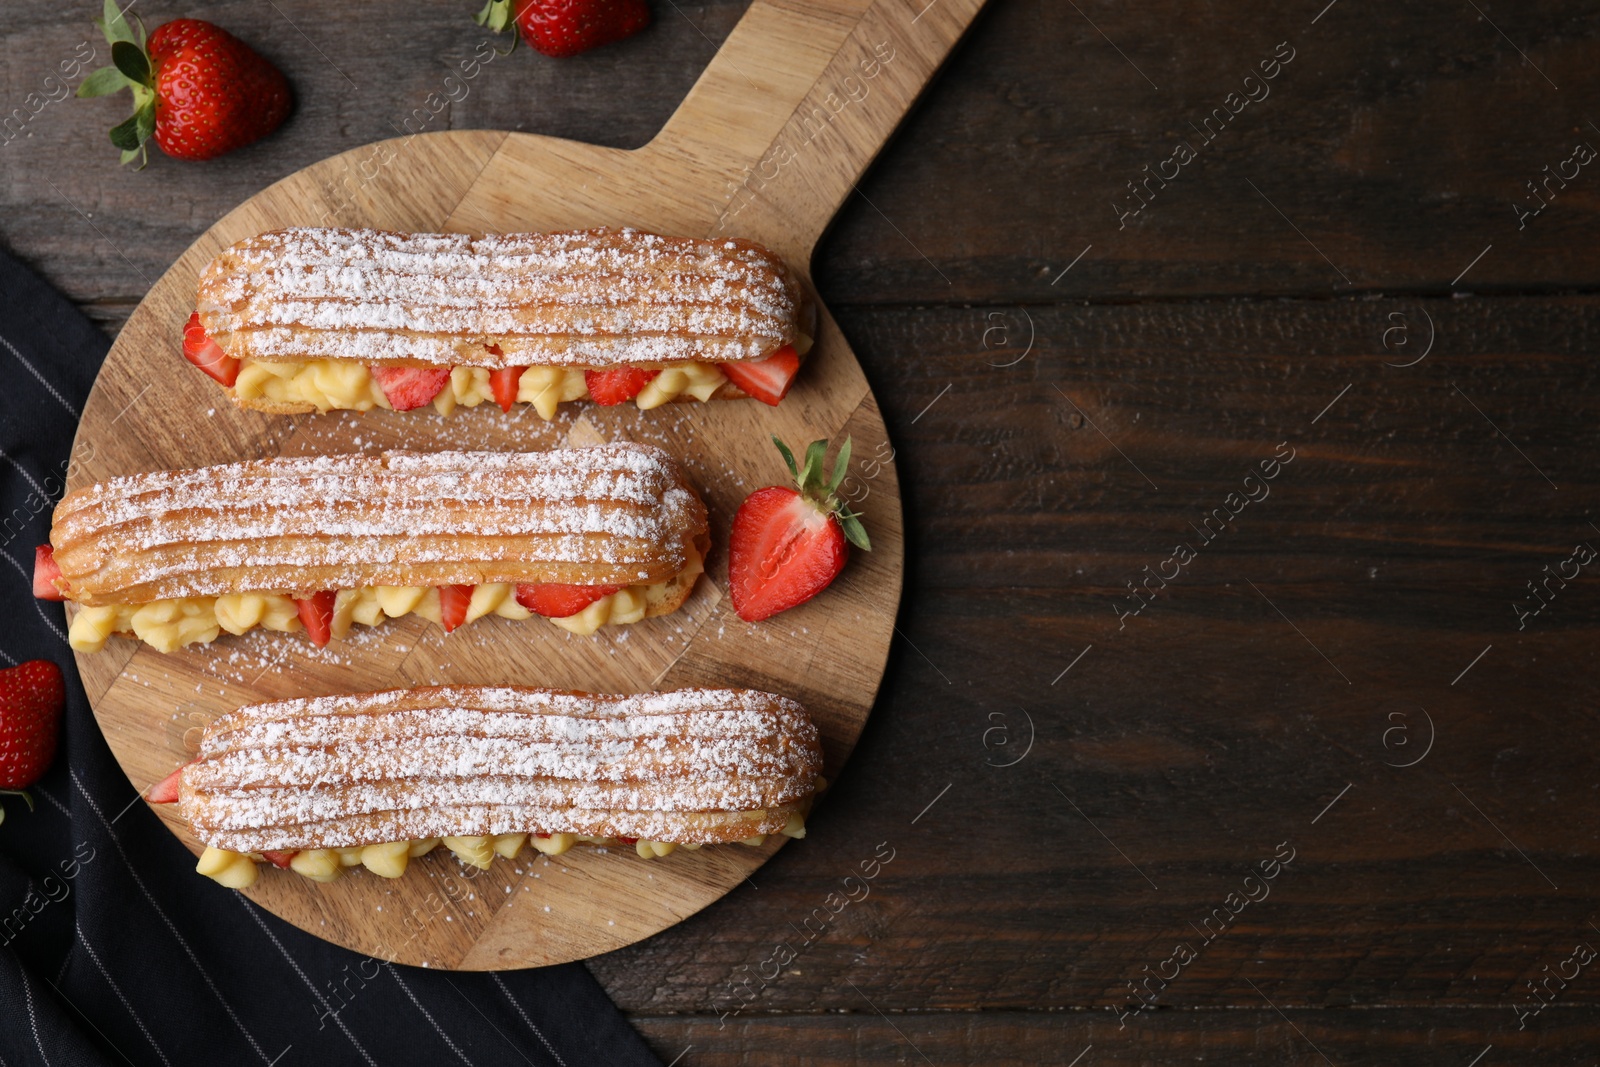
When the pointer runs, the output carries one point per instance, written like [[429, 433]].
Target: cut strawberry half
[[453, 603], [203, 352], [503, 383], [789, 544], [316, 611], [166, 790], [46, 574], [617, 384], [768, 380], [410, 387], [281, 860], [556, 601]]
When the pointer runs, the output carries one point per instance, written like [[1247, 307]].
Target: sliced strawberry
[[166, 790], [616, 384], [281, 860], [538, 834], [453, 602], [504, 383], [787, 545], [768, 380], [628, 840], [203, 352], [556, 601], [316, 611], [410, 387], [46, 574]]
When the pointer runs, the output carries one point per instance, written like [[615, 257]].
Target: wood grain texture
[[1397, 141], [1254, 1037], [150, 411]]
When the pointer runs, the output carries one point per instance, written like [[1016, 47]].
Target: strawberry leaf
[[854, 532], [495, 16], [841, 467], [103, 82], [125, 134], [114, 25], [131, 61], [811, 475], [136, 153], [788, 457]]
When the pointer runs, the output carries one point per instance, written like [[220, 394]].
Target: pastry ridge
[[690, 766], [585, 298], [616, 514]]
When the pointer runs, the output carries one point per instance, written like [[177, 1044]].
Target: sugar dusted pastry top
[[692, 765], [584, 298], [614, 514]]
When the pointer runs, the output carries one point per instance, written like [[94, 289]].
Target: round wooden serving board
[[767, 145]]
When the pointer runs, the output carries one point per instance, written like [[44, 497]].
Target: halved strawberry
[[787, 545], [410, 387], [556, 601], [203, 352], [316, 611], [46, 574], [166, 790], [453, 601], [616, 384], [281, 860], [768, 380], [504, 383]]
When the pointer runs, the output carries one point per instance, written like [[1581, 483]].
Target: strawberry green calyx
[[496, 17], [822, 489], [130, 69]]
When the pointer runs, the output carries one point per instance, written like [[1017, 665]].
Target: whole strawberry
[[787, 544], [567, 27], [197, 89], [32, 696]]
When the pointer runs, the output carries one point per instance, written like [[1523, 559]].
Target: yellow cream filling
[[167, 625], [339, 384], [237, 870]]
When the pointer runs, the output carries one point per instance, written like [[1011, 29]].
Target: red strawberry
[[203, 352], [199, 90], [453, 602], [316, 611], [768, 380], [46, 574], [166, 790], [567, 27], [556, 601], [504, 383], [788, 545], [32, 697], [616, 384], [410, 387], [281, 860]]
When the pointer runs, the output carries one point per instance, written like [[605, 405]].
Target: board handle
[[797, 103]]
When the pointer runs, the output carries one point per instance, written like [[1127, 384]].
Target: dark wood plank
[[1211, 727], [1003, 1039], [1397, 141]]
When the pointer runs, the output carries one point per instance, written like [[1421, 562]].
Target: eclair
[[584, 536], [303, 320], [375, 779]]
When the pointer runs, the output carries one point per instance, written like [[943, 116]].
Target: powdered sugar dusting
[[691, 765], [586, 298], [609, 514]]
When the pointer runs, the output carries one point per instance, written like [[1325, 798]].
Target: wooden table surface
[[1224, 724]]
